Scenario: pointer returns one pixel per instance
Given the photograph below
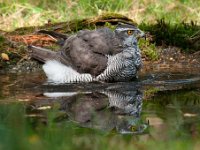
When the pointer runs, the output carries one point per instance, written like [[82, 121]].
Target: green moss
[[148, 49], [2, 39], [23, 31], [183, 35], [150, 92], [183, 97], [75, 25], [109, 25]]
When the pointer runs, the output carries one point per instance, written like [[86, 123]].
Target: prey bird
[[93, 55]]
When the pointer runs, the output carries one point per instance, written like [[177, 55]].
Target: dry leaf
[[4, 56]]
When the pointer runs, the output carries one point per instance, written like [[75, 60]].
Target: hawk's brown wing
[[88, 49]]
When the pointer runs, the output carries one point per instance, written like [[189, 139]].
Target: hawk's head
[[129, 34]]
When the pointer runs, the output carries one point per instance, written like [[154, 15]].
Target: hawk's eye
[[133, 128], [129, 32]]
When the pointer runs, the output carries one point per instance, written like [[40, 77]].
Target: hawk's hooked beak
[[141, 34]]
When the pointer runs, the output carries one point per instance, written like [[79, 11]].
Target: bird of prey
[[93, 55]]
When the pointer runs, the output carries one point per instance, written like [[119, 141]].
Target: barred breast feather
[[120, 67]]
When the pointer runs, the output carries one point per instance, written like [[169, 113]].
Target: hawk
[[93, 55]]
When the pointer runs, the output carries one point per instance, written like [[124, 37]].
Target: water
[[156, 107]]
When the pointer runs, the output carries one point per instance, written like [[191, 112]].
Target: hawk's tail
[[42, 54]]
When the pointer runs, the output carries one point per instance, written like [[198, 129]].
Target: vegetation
[[170, 22], [148, 49], [20, 13], [183, 35]]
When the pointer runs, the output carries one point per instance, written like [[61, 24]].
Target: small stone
[[4, 56], [182, 57]]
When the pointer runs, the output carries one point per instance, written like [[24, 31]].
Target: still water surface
[[155, 107]]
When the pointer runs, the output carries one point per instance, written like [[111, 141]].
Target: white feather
[[59, 73], [59, 94], [62, 94]]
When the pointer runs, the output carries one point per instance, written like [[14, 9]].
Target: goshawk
[[94, 55]]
